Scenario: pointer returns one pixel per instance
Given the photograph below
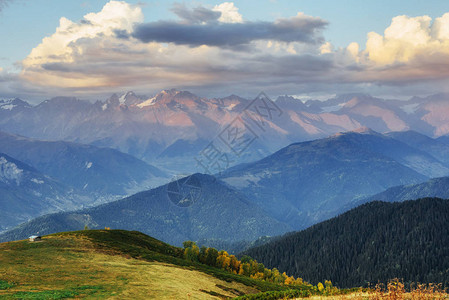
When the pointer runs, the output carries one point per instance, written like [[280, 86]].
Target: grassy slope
[[118, 264], [111, 264]]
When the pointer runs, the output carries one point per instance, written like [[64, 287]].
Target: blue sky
[[24, 23]]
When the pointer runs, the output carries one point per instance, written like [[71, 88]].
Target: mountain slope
[[25, 193], [15, 105], [374, 242], [111, 264], [100, 171], [436, 187], [411, 156], [308, 182], [434, 147], [215, 211], [372, 112], [444, 139]]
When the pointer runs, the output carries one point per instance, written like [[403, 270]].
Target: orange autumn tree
[[246, 266]]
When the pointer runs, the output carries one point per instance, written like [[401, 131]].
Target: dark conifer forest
[[372, 243]]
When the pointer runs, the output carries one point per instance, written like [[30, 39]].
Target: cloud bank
[[412, 49], [223, 26], [214, 49]]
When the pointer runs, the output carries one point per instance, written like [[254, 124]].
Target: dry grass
[[395, 290], [62, 267]]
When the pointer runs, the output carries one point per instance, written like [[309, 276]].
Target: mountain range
[[151, 128], [26, 193], [309, 182], [214, 212], [435, 187], [39, 177], [294, 188], [99, 171], [76, 145]]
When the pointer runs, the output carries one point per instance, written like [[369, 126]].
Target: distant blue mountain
[[25, 193], [99, 171], [309, 182], [218, 212]]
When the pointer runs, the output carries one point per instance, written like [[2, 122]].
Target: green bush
[[274, 295], [4, 285]]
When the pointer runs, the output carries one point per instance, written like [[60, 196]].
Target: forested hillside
[[374, 242]]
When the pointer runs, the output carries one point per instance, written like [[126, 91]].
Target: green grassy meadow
[[113, 265]]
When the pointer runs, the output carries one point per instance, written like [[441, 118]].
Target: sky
[[311, 49]]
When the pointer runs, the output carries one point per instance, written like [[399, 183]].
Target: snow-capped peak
[[148, 102], [164, 94], [122, 98], [129, 98], [9, 104], [170, 92]]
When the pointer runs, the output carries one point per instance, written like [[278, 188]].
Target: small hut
[[35, 238]]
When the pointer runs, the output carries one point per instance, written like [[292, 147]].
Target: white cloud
[[353, 49], [69, 44], [115, 15], [408, 38], [440, 28], [229, 13], [326, 48], [90, 57]]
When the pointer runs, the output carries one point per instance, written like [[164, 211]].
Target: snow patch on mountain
[[37, 181], [7, 104], [410, 108], [148, 102], [9, 171], [37, 194], [231, 106], [122, 98], [332, 108]]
